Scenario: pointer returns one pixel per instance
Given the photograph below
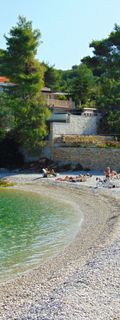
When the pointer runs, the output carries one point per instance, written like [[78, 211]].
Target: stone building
[[84, 122], [66, 119]]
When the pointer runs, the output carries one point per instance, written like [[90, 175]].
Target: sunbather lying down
[[79, 178], [48, 173]]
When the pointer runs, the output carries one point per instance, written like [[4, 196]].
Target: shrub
[[6, 183], [86, 141]]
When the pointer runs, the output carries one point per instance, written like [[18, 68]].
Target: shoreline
[[78, 282]]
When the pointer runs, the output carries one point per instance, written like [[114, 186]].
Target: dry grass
[[86, 141], [6, 183]]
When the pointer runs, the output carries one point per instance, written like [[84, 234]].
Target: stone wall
[[92, 158], [78, 124]]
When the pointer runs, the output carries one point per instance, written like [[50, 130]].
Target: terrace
[[56, 103]]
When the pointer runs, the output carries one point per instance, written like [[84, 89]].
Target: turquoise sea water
[[32, 228]]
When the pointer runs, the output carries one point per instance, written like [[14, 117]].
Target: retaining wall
[[92, 158]]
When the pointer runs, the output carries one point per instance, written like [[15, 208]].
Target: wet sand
[[81, 282]]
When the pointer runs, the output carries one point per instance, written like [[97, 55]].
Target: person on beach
[[111, 174], [48, 172], [53, 172], [115, 175], [45, 172], [80, 178], [66, 178], [107, 173]]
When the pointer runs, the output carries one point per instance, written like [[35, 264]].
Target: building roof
[[3, 79], [60, 93], [45, 89], [89, 109], [57, 107], [59, 117]]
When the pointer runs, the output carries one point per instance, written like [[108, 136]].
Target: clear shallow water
[[32, 228]]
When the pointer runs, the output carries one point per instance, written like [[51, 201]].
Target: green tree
[[82, 84], [52, 77], [68, 77], [2, 57], [106, 55], [105, 64], [22, 68], [6, 115]]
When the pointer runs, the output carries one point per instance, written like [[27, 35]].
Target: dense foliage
[[105, 65], [24, 100]]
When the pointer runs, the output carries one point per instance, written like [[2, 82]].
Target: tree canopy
[[20, 65], [105, 64]]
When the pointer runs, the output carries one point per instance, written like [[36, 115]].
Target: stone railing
[[60, 103]]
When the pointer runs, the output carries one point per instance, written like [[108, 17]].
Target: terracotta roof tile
[[4, 79]]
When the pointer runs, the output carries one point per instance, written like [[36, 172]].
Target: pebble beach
[[83, 280]]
